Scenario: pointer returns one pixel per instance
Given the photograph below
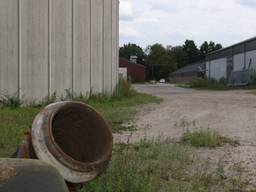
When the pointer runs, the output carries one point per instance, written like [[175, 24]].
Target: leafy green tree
[[159, 62], [192, 51], [180, 56], [207, 48], [130, 49]]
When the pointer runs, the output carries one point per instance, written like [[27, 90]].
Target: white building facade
[[51, 46]]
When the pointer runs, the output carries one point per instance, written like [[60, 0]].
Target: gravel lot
[[231, 113]]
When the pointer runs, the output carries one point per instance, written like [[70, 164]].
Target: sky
[[171, 22]]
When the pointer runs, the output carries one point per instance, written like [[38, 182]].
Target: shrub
[[253, 79], [211, 84], [199, 83]]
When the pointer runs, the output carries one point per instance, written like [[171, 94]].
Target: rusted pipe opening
[[81, 133], [74, 138]]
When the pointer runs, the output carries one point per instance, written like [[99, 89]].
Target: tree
[[180, 56], [207, 48], [192, 51], [129, 50], [159, 62]]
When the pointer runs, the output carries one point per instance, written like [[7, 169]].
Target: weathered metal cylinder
[[73, 138], [29, 176]]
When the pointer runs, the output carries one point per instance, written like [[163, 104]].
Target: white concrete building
[[232, 62], [49, 46]]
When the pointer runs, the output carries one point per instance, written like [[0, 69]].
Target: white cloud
[[126, 10], [174, 21], [251, 3], [126, 32]]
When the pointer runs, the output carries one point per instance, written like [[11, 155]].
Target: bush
[[253, 79], [223, 81], [211, 84], [199, 83]]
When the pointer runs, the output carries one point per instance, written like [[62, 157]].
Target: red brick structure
[[135, 72]]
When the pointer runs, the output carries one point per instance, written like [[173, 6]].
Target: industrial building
[[188, 73], [51, 46], [235, 63]]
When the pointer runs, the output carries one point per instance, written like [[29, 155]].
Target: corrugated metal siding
[[49, 46], [237, 57]]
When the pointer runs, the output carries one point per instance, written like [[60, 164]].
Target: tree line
[[161, 61]]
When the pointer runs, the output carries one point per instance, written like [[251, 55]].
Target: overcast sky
[[171, 22]]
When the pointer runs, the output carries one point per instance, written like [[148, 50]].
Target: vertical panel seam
[[49, 48], [103, 46], [117, 41], [112, 89], [73, 45], [19, 49], [90, 49]]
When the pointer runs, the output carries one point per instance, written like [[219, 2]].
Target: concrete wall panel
[[49, 46], [9, 47], [82, 53], [97, 46], [115, 34], [107, 46], [218, 68], [238, 62], [34, 49], [61, 46]]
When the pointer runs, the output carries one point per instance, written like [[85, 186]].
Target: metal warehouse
[[234, 63], [49, 46], [188, 73]]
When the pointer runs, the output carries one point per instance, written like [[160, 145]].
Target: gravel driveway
[[231, 113]]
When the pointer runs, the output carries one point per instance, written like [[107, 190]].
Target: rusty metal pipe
[[73, 138]]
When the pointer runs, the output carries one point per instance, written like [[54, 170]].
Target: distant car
[[162, 81]]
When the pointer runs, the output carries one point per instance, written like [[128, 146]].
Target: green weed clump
[[209, 84], [151, 166], [10, 101], [206, 138]]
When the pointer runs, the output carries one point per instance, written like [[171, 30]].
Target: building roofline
[[228, 47], [140, 65]]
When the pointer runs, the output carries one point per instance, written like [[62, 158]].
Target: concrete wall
[[49, 46]]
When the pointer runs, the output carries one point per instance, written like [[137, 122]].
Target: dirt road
[[231, 113]]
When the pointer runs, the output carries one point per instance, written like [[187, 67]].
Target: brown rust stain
[[6, 172]]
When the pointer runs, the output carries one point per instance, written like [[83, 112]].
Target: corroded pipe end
[[74, 138]]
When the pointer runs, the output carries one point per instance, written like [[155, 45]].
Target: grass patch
[[221, 85], [207, 84], [116, 110], [206, 138], [152, 166]]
